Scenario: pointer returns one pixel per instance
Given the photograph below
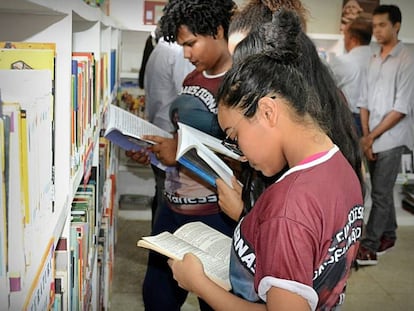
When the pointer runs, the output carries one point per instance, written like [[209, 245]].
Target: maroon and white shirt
[[302, 235], [195, 106]]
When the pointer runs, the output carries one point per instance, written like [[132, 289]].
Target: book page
[[206, 238], [209, 245], [132, 125], [210, 141]]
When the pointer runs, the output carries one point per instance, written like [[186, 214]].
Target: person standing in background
[[386, 109], [164, 75], [350, 69], [148, 48]]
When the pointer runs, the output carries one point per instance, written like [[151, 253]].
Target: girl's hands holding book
[[189, 272]]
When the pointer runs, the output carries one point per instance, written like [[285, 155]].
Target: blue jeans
[[382, 221], [160, 291], [159, 176]]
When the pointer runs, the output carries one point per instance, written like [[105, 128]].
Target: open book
[[196, 151], [209, 245], [126, 130]]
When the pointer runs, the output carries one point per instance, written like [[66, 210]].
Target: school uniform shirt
[[302, 235], [195, 106], [389, 87]]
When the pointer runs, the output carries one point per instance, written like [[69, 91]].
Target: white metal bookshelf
[[72, 26]]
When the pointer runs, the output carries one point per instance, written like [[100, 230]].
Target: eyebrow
[[188, 42]]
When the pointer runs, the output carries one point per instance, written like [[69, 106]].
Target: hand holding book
[[189, 272], [164, 148], [209, 245], [127, 131]]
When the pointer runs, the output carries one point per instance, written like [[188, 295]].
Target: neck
[[223, 63], [387, 47], [308, 142]]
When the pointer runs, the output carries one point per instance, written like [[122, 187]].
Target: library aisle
[[389, 286]]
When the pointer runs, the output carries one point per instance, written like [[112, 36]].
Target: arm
[[190, 275], [390, 120]]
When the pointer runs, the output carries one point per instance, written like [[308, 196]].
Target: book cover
[[197, 152], [28, 58]]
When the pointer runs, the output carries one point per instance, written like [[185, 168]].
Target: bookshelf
[[28, 277]]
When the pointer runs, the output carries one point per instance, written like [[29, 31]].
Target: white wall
[[324, 19], [132, 48]]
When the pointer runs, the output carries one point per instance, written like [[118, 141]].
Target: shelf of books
[[58, 73]]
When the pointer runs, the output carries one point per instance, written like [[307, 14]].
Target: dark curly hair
[[202, 17]]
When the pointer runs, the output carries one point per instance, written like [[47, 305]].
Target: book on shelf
[[27, 112], [209, 245], [197, 151], [126, 130], [61, 275], [15, 206], [3, 217], [36, 129]]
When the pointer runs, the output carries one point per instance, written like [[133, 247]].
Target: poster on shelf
[[352, 9], [153, 11]]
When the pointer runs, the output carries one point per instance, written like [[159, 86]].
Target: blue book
[[198, 152]]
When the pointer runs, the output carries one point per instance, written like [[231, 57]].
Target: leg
[[160, 291], [382, 217], [159, 176]]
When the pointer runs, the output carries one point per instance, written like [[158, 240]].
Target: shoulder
[[193, 75]]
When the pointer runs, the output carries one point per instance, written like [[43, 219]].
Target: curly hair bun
[[281, 36]]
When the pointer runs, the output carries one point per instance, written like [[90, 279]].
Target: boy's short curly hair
[[202, 17]]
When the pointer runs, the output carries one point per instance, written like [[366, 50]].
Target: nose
[[187, 52]]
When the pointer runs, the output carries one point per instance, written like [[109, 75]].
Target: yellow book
[[27, 45], [28, 59]]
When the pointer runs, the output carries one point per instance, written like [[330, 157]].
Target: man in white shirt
[[165, 71], [164, 74], [350, 69], [387, 118]]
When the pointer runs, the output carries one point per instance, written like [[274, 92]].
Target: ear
[[220, 32], [268, 110], [397, 27]]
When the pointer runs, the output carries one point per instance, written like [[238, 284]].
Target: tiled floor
[[387, 286]]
